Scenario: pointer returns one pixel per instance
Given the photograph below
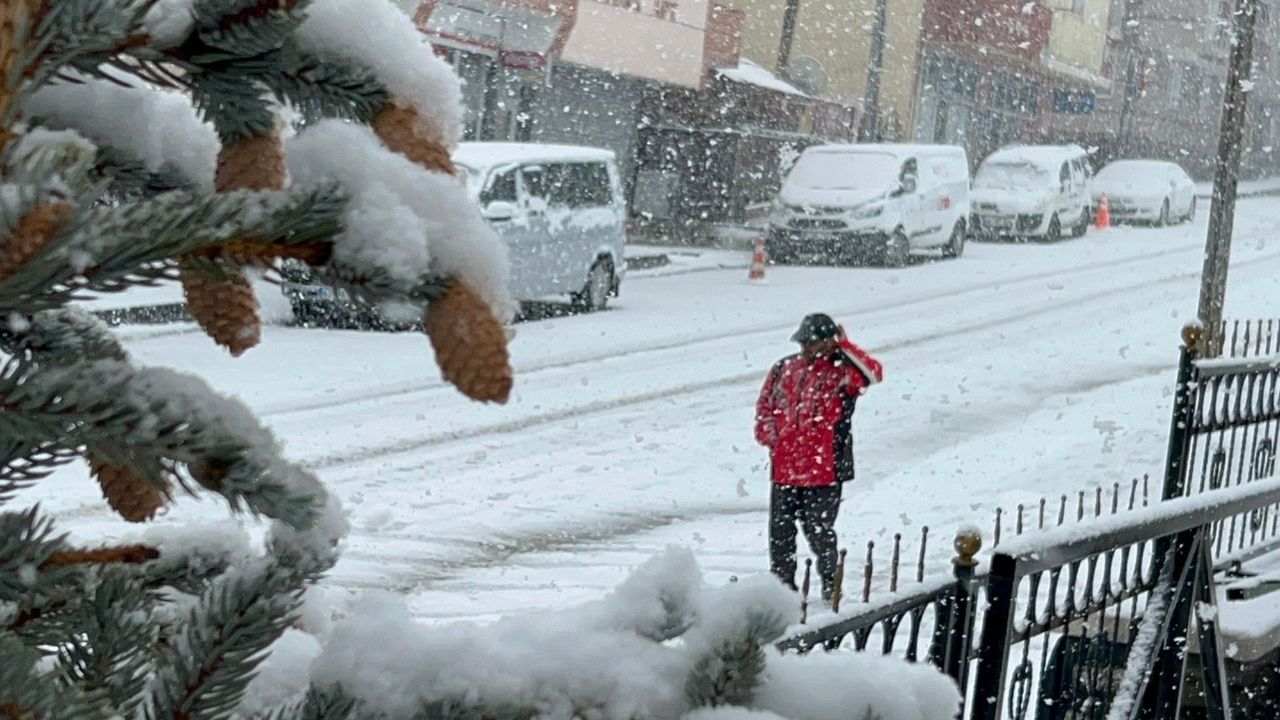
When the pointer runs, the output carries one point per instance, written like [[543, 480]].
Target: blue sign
[[1073, 102]]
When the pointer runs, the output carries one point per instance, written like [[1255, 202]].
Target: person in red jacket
[[804, 416]]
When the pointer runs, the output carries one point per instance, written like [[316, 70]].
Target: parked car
[[1032, 191], [560, 210], [1154, 191], [846, 202]]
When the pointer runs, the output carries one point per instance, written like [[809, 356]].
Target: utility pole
[[1129, 37], [788, 35], [870, 130], [1217, 255]]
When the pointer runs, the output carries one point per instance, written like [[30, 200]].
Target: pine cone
[[402, 130], [35, 229], [209, 473], [224, 305], [253, 163], [15, 16], [470, 344], [136, 498]]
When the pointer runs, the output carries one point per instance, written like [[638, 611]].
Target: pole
[[1217, 256], [1129, 35], [788, 35], [870, 130]]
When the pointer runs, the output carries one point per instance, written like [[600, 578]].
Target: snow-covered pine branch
[[143, 140]]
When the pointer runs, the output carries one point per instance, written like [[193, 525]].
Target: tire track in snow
[[640, 350], [377, 452], [502, 547]]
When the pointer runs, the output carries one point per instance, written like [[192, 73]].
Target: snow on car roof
[[1035, 154], [489, 154], [1138, 164], [895, 149]]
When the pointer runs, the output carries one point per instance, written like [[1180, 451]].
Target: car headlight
[[866, 213]]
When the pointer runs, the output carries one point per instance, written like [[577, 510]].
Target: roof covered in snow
[[752, 74], [489, 154], [1036, 154], [895, 149]]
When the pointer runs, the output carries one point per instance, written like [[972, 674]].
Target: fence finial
[[1191, 333], [967, 544]]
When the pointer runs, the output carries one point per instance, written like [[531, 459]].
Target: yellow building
[[1078, 40], [832, 47]]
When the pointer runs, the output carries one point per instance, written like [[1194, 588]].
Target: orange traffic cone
[[1103, 219], [756, 273]]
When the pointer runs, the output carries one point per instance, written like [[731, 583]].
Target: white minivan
[[1032, 191], [883, 201], [560, 210]]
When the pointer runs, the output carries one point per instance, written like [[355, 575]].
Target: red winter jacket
[[805, 413]]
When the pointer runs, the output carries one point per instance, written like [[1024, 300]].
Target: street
[[1016, 372]]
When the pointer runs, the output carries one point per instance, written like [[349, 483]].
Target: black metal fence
[[1095, 620]]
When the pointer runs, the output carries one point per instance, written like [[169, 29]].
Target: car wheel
[[595, 294], [955, 246], [897, 249], [1053, 233], [1163, 220], [1191, 213], [1079, 229]]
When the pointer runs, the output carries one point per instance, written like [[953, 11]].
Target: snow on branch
[[158, 127], [595, 661], [380, 37], [403, 221]]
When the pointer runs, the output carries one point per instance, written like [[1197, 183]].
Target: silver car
[[1152, 191]]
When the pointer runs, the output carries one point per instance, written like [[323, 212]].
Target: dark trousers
[[815, 509]]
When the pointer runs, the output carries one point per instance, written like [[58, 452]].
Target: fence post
[[1216, 694], [1183, 416], [1162, 696], [993, 648], [953, 628]]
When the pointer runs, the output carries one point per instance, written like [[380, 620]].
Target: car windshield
[[1131, 172], [1011, 175], [843, 171]]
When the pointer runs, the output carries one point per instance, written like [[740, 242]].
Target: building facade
[[698, 137], [831, 51]]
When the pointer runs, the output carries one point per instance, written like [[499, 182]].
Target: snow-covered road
[[1016, 372]]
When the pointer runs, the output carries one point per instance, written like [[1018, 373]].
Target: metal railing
[[1095, 619], [1225, 432]]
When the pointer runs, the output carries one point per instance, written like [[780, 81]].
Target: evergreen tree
[[144, 141]]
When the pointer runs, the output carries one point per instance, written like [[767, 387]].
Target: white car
[[1032, 191], [1152, 191], [843, 202]]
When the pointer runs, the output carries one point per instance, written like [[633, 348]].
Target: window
[[910, 176], [1064, 175], [579, 185], [502, 188], [535, 181]]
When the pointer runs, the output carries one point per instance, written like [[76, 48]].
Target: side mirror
[[907, 185], [499, 211]]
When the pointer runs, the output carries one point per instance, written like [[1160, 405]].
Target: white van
[[843, 202], [1039, 191], [560, 210]]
